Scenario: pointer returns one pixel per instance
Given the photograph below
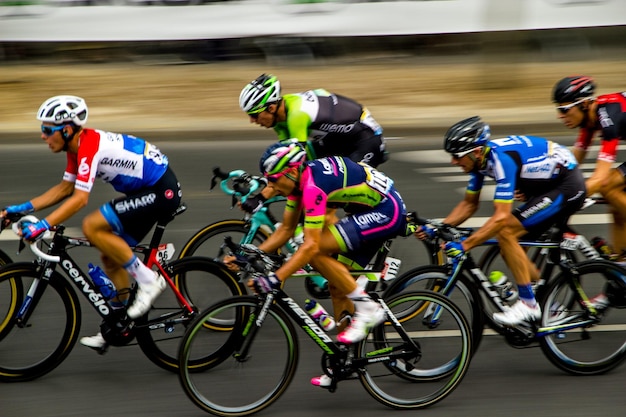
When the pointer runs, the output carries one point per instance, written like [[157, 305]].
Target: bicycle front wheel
[[238, 384], [427, 375], [208, 241], [594, 348], [30, 350], [464, 295], [201, 282]]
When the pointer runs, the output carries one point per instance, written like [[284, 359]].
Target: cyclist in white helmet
[[324, 123], [134, 168]]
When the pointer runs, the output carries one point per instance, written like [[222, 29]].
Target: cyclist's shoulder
[[604, 99]]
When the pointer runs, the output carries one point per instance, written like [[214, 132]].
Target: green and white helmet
[[259, 93]]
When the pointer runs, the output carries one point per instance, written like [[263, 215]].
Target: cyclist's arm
[[501, 216], [53, 196], [71, 206], [600, 175], [585, 136], [606, 157], [579, 154], [286, 230], [464, 210]]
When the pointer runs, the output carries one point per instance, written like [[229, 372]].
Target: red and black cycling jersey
[[611, 122]]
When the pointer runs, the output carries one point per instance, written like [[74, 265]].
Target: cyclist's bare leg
[[618, 231], [342, 307], [513, 254], [341, 283], [117, 252], [118, 275], [613, 192]]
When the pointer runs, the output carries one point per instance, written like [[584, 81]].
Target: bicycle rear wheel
[[445, 350], [201, 282], [233, 385], [597, 348], [28, 352], [492, 261]]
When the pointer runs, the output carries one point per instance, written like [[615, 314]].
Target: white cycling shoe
[[146, 294], [95, 342], [368, 314], [518, 313]]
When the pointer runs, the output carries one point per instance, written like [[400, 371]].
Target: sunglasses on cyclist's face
[[257, 113], [459, 155], [50, 130], [567, 107]]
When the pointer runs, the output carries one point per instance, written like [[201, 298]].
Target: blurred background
[[171, 71], [419, 64]]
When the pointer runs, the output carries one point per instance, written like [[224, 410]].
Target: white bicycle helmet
[[63, 109], [259, 93]]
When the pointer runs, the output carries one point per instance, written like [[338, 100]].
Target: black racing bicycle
[[404, 364], [40, 312], [583, 325]]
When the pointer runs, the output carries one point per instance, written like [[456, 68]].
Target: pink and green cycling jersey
[[338, 182]]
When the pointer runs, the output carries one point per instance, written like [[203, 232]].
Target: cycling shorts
[[365, 147], [361, 235], [553, 207], [131, 217]]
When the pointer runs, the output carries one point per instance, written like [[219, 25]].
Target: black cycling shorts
[[132, 216]]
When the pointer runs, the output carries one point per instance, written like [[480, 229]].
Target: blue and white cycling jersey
[[128, 163], [527, 163]]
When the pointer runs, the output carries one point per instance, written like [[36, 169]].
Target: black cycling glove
[[253, 204]]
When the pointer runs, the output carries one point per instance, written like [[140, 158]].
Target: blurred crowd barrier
[[298, 32]]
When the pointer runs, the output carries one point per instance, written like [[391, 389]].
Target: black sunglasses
[[256, 115]]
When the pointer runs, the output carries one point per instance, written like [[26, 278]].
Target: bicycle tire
[[465, 295], [600, 347], [445, 354], [29, 352], [15, 293], [231, 387], [208, 240], [201, 282]]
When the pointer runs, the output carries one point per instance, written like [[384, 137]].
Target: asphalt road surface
[[502, 381]]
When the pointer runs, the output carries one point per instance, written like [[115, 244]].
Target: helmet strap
[[478, 165], [68, 138]]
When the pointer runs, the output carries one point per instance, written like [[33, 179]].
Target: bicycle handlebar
[[243, 184], [444, 231], [17, 228], [250, 257]]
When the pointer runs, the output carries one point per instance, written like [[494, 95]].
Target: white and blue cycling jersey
[[126, 162], [529, 164]]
